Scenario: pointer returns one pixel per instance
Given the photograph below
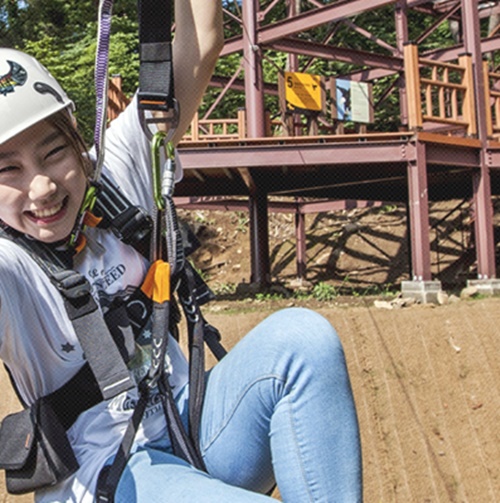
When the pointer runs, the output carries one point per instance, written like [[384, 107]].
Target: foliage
[[62, 36], [324, 291], [61, 33]]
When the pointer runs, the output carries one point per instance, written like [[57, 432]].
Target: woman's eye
[[56, 150], [7, 169]]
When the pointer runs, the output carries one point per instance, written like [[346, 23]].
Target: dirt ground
[[356, 251], [425, 377], [426, 384]]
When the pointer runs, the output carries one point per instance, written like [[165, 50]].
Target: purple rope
[[101, 80]]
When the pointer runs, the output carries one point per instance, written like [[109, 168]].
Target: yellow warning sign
[[303, 90]]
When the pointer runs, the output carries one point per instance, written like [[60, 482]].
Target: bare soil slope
[[356, 250]]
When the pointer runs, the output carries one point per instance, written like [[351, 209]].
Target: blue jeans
[[278, 407]]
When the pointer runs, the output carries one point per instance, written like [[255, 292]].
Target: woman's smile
[[49, 214], [42, 183]]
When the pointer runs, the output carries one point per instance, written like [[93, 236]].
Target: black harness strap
[[156, 76], [110, 474], [131, 224], [80, 393], [93, 334], [103, 356]]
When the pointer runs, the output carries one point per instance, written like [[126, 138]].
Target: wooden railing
[[216, 129], [440, 98], [492, 96], [439, 93], [117, 100]]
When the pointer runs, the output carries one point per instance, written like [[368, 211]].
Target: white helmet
[[28, 93]]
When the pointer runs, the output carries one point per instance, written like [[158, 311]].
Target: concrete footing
[[485, 286], [426, 292]]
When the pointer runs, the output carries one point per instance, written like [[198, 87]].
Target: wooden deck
[[369, 166]]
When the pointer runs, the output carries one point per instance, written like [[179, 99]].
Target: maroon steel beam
[[418, 204], [306, 21], [259, 239], [239, 85], [483, 221], [294, 155], [437, 23], [449, 54], [331, 52], [401, 22], [301, 249], [224, 203], [310, 19], [370, 36], [254, 100], [224, 91], [254, 93]]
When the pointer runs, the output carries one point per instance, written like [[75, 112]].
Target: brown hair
[[64, 123]]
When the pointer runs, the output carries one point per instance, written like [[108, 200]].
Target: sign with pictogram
[[351, 101], [303, 91]]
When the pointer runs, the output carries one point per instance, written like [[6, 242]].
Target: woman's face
[[42, 184]]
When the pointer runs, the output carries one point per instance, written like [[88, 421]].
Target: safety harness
[[107, 344], [108, 341]]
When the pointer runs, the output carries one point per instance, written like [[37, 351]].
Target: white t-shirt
[[38, 342]]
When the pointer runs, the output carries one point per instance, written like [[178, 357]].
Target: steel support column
[[419, 215], [401, 18], [300, 236], [254, 89], [483, 210], [256, 128], [259, 239]]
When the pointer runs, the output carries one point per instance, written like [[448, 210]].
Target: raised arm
[[197, 43]]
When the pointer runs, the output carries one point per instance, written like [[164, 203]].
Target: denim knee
[[303, 333]]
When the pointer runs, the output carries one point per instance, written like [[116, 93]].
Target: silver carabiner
[[170, 119]]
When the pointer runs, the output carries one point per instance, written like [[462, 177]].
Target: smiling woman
[[42, 183], [89, 356]]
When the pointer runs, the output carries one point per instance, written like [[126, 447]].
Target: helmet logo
[[17, 76], [42, 88]]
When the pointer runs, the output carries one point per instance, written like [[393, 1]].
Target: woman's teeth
[[47, 212]]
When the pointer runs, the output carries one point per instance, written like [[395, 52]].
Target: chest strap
[[101, 353]]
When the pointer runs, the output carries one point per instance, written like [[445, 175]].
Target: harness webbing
[[102, 354], [156, 77], [156, 93]]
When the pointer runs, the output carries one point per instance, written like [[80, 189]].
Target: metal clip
[[72, 284], [163, 186], [158, 141], [171, 120], [168, 181], [87, 205]]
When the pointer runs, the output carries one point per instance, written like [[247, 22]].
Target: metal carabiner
[[171, 120], [163, 183], [89, 201], [157, 142]]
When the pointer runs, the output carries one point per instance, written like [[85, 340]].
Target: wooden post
[[242, 132], [487, 98], [469, 107], [195, 124], [412, 78]]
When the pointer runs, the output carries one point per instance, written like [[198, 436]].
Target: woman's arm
[[197, 43]]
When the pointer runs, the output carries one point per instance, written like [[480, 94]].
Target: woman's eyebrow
[[6, 155], [42, 143], [50, 138]]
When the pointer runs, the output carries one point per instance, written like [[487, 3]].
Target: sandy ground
[[426, 383]]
